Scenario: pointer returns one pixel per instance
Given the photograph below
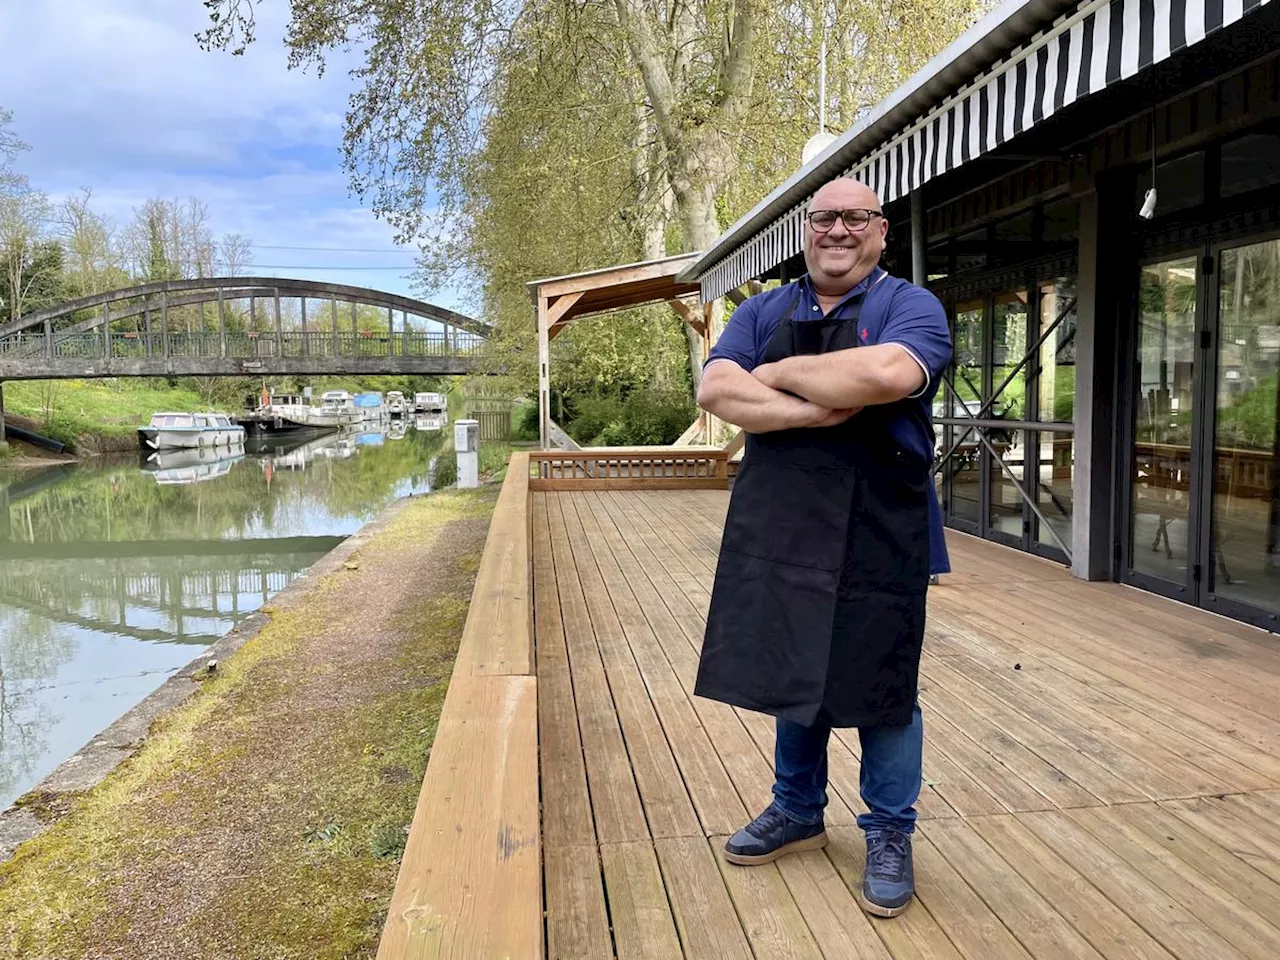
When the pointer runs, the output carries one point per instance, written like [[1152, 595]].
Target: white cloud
[[117, 96]]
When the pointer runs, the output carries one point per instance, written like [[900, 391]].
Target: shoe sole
[[796, 846], [876, 910]]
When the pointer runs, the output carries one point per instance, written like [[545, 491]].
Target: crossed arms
[[809, 391]]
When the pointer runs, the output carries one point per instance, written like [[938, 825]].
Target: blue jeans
[[890, 778]]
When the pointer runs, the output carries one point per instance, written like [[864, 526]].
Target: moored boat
[[176, 431]]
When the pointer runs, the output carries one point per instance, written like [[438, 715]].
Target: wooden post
[[544, 375], [106, 331], [333, 312], [222, 325], [146, 315], [164, 323], [48, 338], [275, 296], [3, 435], [306, 337], [391, 332], [355, 331]]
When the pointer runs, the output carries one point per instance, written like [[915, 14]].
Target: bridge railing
[[91, 344]]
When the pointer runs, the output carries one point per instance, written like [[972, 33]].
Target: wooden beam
[[686, 313], [688, 436], [737, 296], [556, 309], [736, 444]]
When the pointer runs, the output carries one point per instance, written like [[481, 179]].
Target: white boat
[[430, 402], [429, 421], [337, 408], [175, 431], [396, 405]]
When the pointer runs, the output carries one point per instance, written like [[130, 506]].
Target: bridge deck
[[1101, 765]]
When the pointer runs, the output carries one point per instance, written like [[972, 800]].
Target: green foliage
[[1250, 422]]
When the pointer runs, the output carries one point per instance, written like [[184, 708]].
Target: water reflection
[[114, 574]]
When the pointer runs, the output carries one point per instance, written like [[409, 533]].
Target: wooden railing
[[630, 468], [470, 883]]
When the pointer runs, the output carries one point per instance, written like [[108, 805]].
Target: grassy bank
[[265, 816], [94, 415]]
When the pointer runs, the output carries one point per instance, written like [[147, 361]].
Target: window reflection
[[1162, 420], [1246, 494]]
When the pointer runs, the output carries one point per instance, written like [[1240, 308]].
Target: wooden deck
[[1102, 767]]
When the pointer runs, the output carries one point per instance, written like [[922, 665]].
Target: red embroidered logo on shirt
[[864, 333]]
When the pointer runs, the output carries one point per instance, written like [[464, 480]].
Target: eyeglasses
[[855, 220]]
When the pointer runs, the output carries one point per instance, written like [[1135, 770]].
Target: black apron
[[818, 608]]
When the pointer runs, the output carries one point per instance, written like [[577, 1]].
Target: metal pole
[[2, 429], [306, 338], [275, 294], [48, 338], [333, 310], [391, 332], [164, 323], [222, 325], [355, 331], [147, 319], [106, 331]]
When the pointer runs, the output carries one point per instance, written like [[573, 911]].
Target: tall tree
[[93, 263], [235, 255], [715, 94]]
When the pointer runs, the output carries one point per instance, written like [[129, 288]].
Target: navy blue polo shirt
[[894, 311]]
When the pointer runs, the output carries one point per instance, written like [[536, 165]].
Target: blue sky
[[116, 95]]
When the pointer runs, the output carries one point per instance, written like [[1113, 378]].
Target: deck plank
[[615, 800], [643, 925], [1111, 931], [719, 808], [1162, 916], [708, 924], [662, 790], [566, 804], [1214, 906], [577, 924], [1028, 916], [767, 910]]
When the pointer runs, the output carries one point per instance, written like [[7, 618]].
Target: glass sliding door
[[1006, 475], [964, 469], [1243, 561], [1055, 404], [1165, 382]]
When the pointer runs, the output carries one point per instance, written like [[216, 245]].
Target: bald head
[[839, 258]]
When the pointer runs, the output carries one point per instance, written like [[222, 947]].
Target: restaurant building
[[1115, 394]]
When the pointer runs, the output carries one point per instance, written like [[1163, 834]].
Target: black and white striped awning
[[1101, 43]]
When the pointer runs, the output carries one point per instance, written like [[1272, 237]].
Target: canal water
[[116, 573]]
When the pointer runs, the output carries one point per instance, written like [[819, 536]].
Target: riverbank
[[93, 416], [264, 816]]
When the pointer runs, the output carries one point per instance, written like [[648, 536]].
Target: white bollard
[[466, 443]]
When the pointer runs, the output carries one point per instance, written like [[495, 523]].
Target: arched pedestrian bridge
[[239, 326]]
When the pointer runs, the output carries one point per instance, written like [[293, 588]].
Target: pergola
[[561, 300]]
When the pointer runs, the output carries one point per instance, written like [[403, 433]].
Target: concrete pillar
[[919, 269], [1100, 310]]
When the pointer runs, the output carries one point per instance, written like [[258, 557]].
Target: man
[[818, 609]]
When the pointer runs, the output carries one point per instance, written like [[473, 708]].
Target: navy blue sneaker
[[890, 879], [770, 836]]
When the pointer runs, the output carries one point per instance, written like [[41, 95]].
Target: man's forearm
[[857, 377], [735, 396]]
